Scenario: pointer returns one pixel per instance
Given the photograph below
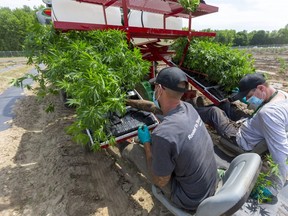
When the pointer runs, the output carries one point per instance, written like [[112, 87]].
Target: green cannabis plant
[[223, 65], [264, 180], [283, 65], [94, 68], [190, 5]]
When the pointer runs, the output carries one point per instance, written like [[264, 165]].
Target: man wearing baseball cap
[[179, 152], [269, 122], [246, 84]]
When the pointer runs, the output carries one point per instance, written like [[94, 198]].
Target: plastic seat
[[232, 192]]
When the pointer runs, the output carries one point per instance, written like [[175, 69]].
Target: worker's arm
[[144, 105], [145, 139], [160, 181]]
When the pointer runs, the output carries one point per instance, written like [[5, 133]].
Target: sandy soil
[[273, 62], [43, 172]]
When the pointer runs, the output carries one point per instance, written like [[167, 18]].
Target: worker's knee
[[215, 111]]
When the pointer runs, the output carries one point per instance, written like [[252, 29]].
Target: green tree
[[244, 38], [220, 37], [283, 36], [241, 39], [273, 37], [225, 36], [15, 25], [259, 38]]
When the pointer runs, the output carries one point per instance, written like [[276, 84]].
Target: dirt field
[[273, 62], [43, 172]]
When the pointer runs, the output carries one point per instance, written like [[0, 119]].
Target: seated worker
[[179, 153], [269, 122]]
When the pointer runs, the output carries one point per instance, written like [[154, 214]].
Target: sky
[[239, 15], [20, 3], [242, 15]]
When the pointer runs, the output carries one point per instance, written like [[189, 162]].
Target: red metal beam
[[109, 3], [136, 32], [185, 52], [212, 99], [150, 50], [156, 6], [175, 11]]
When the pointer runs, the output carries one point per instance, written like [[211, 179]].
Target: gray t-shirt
[[182, 148]]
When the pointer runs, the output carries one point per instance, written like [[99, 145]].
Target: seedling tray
[[212, 91]]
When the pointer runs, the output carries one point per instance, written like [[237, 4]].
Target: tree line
[[16, 24], [253, 38]]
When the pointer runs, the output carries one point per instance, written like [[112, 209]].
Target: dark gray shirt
[[182, 148]]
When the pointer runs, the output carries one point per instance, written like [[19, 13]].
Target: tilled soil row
[[49, 174]]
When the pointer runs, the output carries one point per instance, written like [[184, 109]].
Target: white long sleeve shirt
[[269, 123]]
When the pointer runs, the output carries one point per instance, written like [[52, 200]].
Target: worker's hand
[[144, 134], [235, 90], [243, 100]]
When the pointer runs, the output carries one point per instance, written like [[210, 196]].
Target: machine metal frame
[[151, 49]]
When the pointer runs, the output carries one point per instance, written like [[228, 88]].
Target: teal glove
[[244, 100], [235, 90], [261, 193], [144, 134]]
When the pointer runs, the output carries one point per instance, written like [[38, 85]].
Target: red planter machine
[[151, 49]]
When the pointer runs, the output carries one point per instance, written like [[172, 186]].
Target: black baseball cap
[[170, 77], [247, 83]]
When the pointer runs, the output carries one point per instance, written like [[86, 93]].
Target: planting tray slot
[[126, 126], [211, 91]]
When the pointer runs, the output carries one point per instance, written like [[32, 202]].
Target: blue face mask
[[155, 101], [254, 102]]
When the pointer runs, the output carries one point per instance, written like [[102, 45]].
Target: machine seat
[[233, 189]]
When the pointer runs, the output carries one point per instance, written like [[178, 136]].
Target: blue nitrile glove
[[235, 90], [244, 100], [144, 134], [261, 192]]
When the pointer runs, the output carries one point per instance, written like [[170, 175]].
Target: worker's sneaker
[[197, 101], [200, 101]]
